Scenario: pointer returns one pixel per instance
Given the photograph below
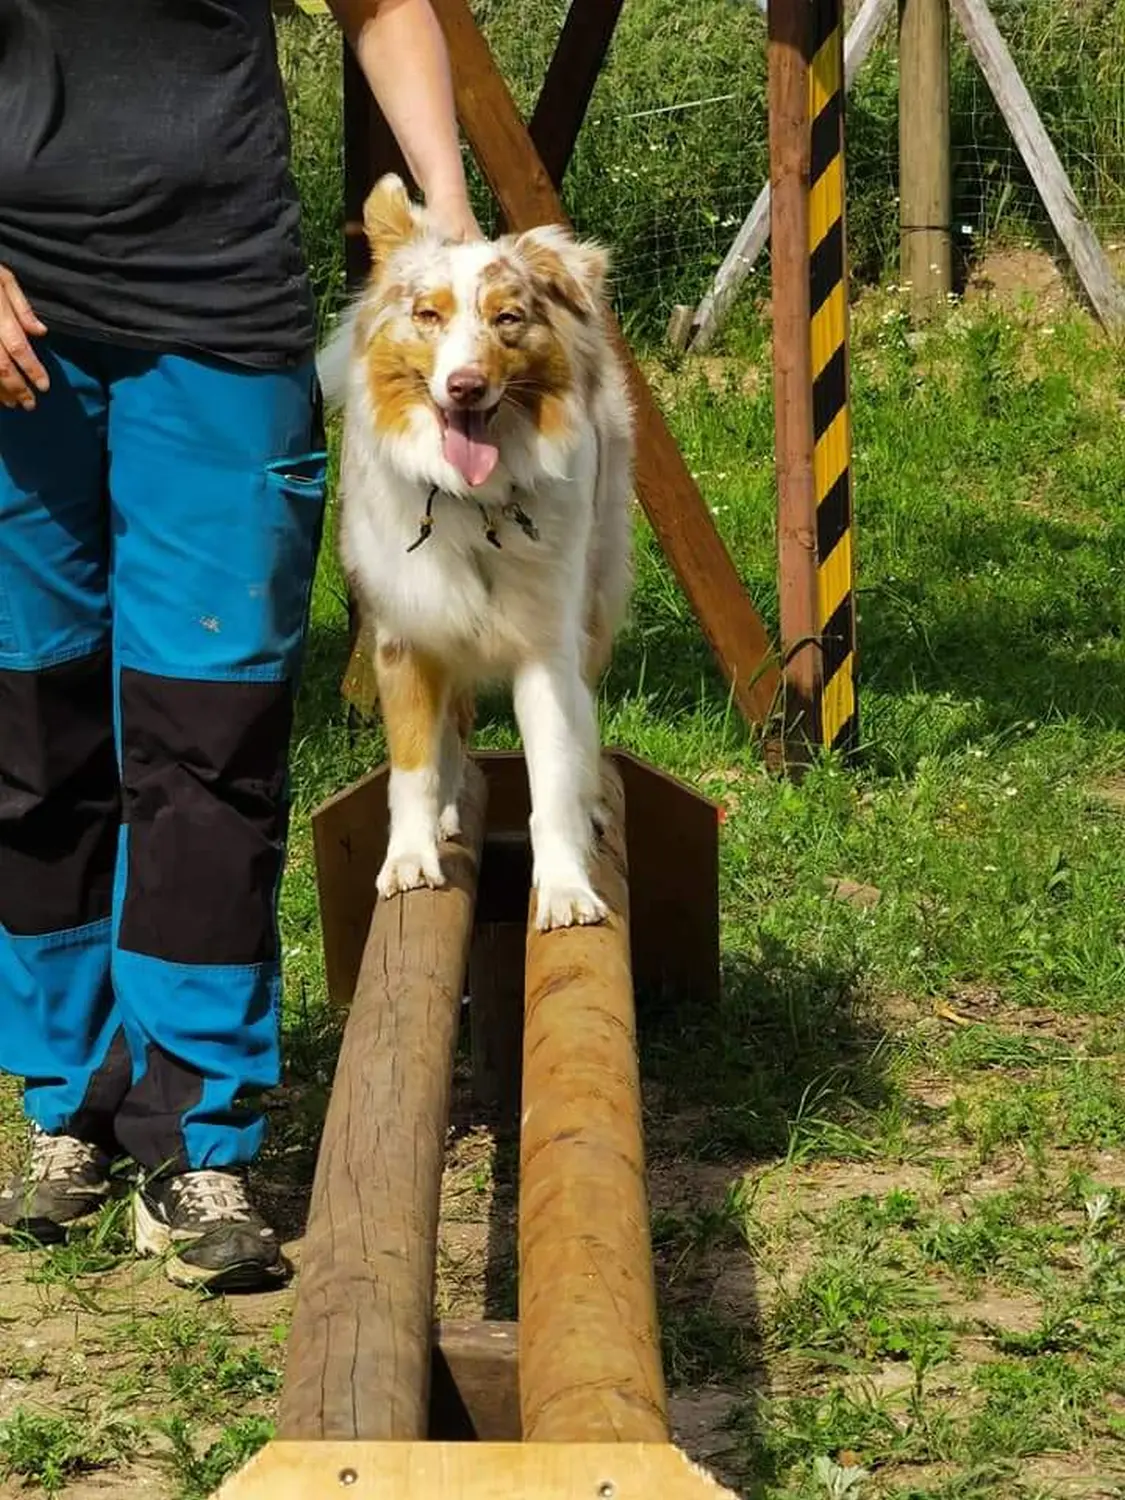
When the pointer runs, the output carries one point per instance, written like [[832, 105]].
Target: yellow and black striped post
[[828, 310], [810, 325]]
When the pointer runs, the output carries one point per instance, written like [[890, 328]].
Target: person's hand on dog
[[21, 374], [454, 216]]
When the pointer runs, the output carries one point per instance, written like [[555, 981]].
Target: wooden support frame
[[1106, 294], [674, 931], [925, 180], [570, 1403]]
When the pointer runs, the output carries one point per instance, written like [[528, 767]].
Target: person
[[162, 478]]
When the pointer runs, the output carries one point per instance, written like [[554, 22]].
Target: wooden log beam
[[571, 76], [590, 1366], [925, 180], [1105, 292], [359, 1354], [669, 494]]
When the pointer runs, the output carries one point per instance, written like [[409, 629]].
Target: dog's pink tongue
[[467, 448]]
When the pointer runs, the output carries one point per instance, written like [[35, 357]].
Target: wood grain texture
[[359, 1355], [925, 180], [671, 499], [589, 1341], [471, 1471], [1105, 292], [673, 898]]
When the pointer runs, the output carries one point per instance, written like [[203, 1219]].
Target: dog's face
[[465, 342]]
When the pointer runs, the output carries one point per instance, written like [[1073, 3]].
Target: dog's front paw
[[410, 871], [574, 905], [449, 824]]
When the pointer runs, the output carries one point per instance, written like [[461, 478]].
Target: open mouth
[[466, 444]]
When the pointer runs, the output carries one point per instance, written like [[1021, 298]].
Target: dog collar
[[512, 510]]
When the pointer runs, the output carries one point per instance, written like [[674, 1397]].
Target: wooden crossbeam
[[676, 509], [571, 76]]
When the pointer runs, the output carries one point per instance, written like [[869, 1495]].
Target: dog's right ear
[[388, 219]]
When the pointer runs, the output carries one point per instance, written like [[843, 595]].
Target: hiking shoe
[[64, 1180], [211, 1235]]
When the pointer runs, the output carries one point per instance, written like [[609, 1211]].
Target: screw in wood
[[348, 1476]]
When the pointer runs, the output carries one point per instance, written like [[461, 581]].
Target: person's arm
[[401, 50]]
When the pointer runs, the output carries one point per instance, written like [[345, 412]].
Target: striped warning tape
[[839, 720]]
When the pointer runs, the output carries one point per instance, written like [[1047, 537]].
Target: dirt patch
[[1023, 277], [1079, 1477], [996, 1313]]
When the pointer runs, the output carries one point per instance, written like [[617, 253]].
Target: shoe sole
[[153, 1238]]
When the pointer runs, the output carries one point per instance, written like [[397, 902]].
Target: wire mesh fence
[[674, 149]]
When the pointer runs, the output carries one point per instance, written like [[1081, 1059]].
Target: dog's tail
[[333, 359]]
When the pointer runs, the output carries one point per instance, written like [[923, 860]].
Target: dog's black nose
[[467, 385]]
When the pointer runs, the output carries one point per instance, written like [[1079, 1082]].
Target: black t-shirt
[[145, 193]]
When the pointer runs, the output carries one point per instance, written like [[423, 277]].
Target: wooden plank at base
[[669, 494], [475, 1394], [472, 1471]]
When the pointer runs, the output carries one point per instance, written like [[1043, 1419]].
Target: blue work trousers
[[159, 524]]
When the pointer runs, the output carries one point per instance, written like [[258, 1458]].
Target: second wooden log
[[590, 1366]]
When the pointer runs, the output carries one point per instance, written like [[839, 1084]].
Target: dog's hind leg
[[456, 731], [558, 723], [414, 693]]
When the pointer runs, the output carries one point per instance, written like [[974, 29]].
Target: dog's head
[[469, 344]]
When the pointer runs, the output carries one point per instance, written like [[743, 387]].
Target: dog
[[485, 522]]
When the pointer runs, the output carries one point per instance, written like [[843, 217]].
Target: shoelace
[[56, 1157], [212, 1197]]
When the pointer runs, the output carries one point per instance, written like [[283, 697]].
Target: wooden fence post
[[925, 184]]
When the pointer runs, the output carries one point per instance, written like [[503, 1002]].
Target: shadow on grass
[[1018, 620], [789, 1064]]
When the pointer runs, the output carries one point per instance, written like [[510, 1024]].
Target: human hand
[[21, 374], [454, 217]]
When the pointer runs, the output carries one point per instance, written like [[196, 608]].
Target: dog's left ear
[[388, 219], [572, 272]]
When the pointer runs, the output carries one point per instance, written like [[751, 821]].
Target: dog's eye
[[510, 318], [429, 316]]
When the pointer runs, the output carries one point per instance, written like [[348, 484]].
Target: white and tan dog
[[485, 521]]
